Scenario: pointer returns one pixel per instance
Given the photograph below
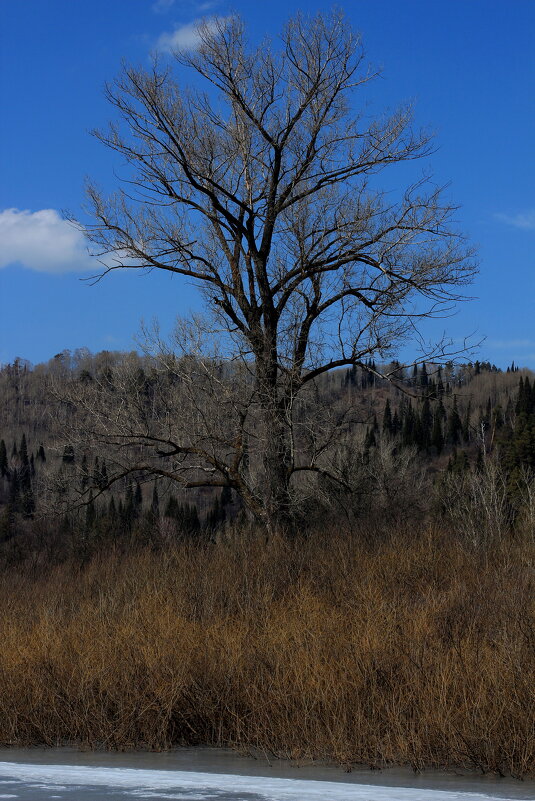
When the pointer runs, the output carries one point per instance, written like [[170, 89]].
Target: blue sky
[[469, 66]]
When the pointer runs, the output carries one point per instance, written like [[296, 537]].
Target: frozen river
[[217, 775]]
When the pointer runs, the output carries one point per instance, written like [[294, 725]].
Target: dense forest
[[444, 443]]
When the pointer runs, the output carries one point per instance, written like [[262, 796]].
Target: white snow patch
[[267, 789]]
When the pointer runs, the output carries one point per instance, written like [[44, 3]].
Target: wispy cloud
[[524, 220], [188, 37], [209, 5], [42, 241], [200, 7], [162, 6], [511, 343]]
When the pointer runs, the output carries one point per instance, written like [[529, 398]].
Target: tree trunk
[[277, 457], [277, 463]]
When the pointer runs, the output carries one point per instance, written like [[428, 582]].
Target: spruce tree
[[437, 437], [7, 522], [215, 516], [84, 480], [369, 440], [103, 476], [454, 424], [409, 427], [155, 504], [138, 500], [426, 424], [112, 509], [4, 469], [68, 454], [226, 497], [23, 452], [27, 502], [466, 422], [90, 513], [25, 478], [95, 478], [387, 418], [14, 490], [424, 378], [171, 507], [129, 511], [192, 521]]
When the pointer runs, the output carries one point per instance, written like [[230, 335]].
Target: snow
[[201, 786]]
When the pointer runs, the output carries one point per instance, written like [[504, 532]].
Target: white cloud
[[162, 6], [200, 7], [187, 37], [207, 6], [511, 343], [524, 220], [42, 241]]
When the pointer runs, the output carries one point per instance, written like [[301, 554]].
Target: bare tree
[[262, 188]]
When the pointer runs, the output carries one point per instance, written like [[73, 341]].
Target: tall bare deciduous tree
[[263, 189]]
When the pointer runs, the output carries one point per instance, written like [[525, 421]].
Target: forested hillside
[[436, 443]]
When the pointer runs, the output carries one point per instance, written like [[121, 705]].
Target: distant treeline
[[422, 438]]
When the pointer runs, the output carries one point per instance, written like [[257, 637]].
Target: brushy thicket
[[415, 650]]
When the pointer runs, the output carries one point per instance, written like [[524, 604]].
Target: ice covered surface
[[37, 782]]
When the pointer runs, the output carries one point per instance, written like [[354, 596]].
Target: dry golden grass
[[412, 652]]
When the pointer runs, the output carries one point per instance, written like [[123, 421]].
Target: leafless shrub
[[477, 505]]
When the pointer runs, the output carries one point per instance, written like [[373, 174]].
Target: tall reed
[[414, 651]]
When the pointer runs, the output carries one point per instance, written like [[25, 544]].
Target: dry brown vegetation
[[414, 650]]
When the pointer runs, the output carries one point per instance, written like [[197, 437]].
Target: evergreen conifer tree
[[426, 424], [14, 490], [84, 470], [424, 378], [387, 418], [68, 454], [409, 427], [454, 424], [138, 500], [103, 476], [23, 452], [90, 512], [437, 437], [369, 440], [155, 504], [4, 469], [129, 511], [171, 507], [226, 497], [112, 509], [466, 422], [95, 478]]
